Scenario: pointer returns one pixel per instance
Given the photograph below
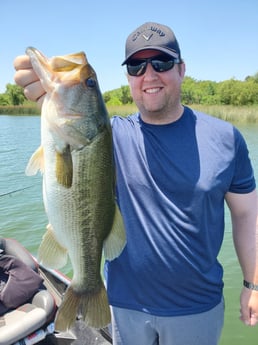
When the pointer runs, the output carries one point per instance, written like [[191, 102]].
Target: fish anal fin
[[92, 306], [36, 162], [116, 240], [64, 167], [51, 254]]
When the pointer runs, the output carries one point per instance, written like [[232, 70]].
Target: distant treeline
[[200, 92], [229, 92]]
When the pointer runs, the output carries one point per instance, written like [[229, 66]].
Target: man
[[175, 168]]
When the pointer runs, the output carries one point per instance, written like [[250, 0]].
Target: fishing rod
[[15, 191]]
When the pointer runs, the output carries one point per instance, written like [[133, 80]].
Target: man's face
[[156, 93]]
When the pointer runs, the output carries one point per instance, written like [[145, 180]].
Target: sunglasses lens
[[136, 67], [162, 66], [161, 63]]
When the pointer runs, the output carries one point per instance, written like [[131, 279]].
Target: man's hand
[[28, 79], [249, 307]]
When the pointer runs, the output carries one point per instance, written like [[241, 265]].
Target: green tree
[[126, 97], [4, 99], [237, 92], [15, 94], [226, 91], [253, 78], [107, 96], [118, 96], [207, 92], [188, 87]]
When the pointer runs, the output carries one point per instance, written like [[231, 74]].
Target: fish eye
[[90, 82]]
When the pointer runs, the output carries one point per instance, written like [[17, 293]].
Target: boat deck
[[82, 335]]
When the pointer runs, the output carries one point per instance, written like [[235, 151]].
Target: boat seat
[[32, 315], [12, 247]]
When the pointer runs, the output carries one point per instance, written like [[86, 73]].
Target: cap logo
[[147, 37], [159, 32]]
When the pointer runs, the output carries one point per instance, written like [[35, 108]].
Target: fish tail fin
[[36, 162], [92, 306], [116, 240], [51, 253]]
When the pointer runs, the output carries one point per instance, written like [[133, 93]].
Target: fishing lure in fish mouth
[[76, 160]]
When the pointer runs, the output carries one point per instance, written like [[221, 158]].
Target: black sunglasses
[[160, 63]]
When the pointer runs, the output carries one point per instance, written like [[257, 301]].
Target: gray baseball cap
[[152, 36]]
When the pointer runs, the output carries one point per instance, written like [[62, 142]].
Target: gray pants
[[130, 327]]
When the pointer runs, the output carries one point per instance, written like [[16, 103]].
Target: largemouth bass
[[75, 158]]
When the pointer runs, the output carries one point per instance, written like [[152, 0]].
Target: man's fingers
[[22, 62], [28, 79], [250, 319], [24, 77], [35, 92], [253, 320]]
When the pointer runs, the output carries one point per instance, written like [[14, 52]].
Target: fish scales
[[75, 158]]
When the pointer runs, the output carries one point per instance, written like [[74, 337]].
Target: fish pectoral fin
[[36, 162], [51, 253], [64, 167], [116, 240]]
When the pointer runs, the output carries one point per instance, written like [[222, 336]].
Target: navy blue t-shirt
[[171, 185]]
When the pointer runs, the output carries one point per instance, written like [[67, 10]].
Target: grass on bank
[[230, 113], [19, 110], [235, 114], [238, 114]]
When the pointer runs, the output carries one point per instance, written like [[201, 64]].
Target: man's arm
[[243, 208]]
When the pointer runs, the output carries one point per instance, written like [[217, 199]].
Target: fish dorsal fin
[[64, 167], [36, 162]]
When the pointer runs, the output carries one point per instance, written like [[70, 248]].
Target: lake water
[[22, 213]]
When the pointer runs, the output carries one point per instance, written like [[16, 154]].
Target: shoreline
[[230, 113]]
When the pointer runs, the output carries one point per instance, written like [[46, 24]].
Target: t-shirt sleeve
[[243, 180]]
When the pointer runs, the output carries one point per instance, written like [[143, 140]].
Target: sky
[[218, 39]]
